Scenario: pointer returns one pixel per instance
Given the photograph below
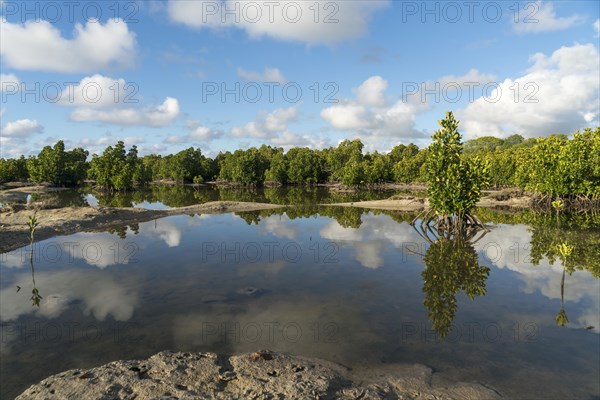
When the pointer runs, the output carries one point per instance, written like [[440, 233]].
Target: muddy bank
[[68, 220], [260, 375], [410, 203]]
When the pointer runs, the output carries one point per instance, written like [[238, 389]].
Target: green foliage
[[57, 166], [483, 144], [451, 267], [556, 166], [338, 158], [377, 168], [117, 170], [13, 169], [353, 172], [454, 182], [245, 167], [186, 165], [408, 167], [278, 168], [304, 166]]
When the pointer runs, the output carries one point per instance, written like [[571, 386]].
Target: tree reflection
[[452, 266]]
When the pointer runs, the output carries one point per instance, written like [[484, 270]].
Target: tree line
[[557, 165]]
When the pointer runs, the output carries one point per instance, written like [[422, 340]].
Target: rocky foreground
[[260, 375]]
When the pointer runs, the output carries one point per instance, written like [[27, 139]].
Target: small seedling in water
[[561, 318], [32, 223]]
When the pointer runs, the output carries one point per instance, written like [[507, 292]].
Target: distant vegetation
[[556, 166]]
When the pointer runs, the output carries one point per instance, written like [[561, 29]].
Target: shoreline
[[262, 374], [69, 220], [410, 203]]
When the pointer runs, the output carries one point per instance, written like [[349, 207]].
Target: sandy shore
[[259, 375], [68, 220], [409, 203]]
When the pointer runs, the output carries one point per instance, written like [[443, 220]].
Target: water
[[356, 287], [167, 196]]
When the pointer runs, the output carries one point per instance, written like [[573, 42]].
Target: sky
[[222, 75]]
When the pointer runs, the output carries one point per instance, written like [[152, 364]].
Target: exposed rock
[[259, 375]]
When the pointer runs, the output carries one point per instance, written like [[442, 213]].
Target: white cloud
[[22, 128], [98, 91], [12, 147], [153, 116], [267, 125], [39, 46], [541, 17], [99, 98], [9, 82], [269, 75], [372, 92], [371, 115], [349, 116], [196, 133], [282, 20], [597, 27], [287, 140], [558, 94]]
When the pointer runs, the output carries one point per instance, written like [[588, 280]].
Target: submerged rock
[[259, 375]]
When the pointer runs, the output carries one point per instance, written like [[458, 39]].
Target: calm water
[[166, 196], [354, 287]]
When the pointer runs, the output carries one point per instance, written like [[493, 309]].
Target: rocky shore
[[259, 375]]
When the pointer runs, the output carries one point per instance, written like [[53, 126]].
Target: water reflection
[[384, 278], [451, 266], [165, 196]]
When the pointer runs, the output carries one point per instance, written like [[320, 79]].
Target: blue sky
[[153, 73]]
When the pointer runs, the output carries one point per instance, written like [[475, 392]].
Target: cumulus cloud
[[284, 20], [372, 92], [108, 139], [22, 128], [287, 140], [98, 91], [558, 94], [267, 125], [99, 98], [269, 75], [39, 46], [370, 114], [541, 17], [151, 116], [196, 133]]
